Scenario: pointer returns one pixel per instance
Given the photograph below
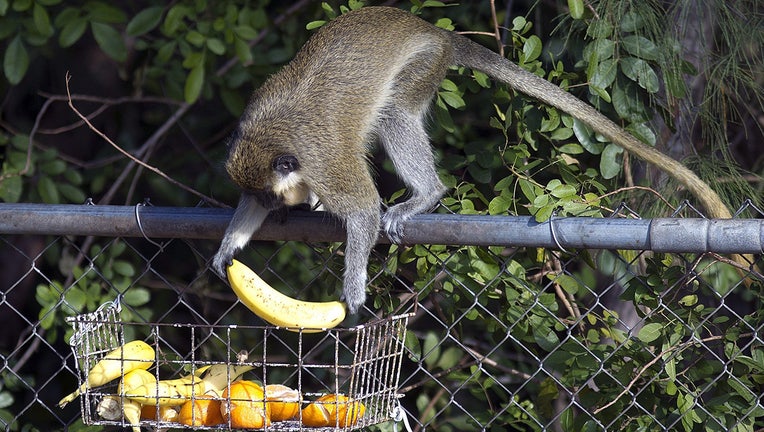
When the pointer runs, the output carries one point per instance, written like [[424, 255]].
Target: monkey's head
[[266, 170]]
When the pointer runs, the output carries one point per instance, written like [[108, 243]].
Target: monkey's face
[[275, 184], [288, 183]]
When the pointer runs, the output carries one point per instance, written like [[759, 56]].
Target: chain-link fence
[[575, 324]]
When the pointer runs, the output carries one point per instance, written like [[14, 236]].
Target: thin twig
[[133, 158], [657, 358], [184, 107], [496, 33], [625, 189]]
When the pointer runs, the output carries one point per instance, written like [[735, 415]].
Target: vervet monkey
[[370, 75]]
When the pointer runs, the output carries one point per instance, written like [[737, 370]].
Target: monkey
[[369, 76]]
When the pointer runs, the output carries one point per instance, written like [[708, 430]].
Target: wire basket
[[362, 362]]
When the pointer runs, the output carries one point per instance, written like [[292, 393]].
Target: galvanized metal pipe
[[661, 235]]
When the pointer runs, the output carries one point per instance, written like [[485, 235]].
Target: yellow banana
[[279, 309], [113, 407], [135, 379], [218, 376], [168, 392], [130, 356], [132, 411]]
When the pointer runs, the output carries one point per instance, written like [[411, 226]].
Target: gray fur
[[370, 74]]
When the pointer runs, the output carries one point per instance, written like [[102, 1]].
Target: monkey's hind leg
[[403, 135], [362, 233]]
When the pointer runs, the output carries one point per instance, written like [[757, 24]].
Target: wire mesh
[[504, 338], [362, 363]]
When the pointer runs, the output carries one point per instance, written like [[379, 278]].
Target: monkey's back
[[347, 73], [325, 105]]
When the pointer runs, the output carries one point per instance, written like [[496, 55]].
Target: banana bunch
[[139, 388], [130, 356], [279, 309], [210, 379]]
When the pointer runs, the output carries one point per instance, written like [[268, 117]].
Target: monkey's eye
[[285, 164]]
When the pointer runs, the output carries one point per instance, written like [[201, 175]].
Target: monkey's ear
[[285, 164]]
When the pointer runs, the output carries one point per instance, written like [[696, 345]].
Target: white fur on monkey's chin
[[292, 189]]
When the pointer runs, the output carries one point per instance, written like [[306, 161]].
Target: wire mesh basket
[[361, 363]]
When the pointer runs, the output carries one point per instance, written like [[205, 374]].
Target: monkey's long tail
[[470, 54]]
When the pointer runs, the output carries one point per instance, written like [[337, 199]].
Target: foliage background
[[166, 83]]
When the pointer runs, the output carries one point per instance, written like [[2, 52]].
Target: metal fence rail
[[616, 323], [696, 235]]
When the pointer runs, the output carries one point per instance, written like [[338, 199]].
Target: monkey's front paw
[[219, 264]]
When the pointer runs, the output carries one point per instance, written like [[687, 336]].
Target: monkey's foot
[[393, 226]]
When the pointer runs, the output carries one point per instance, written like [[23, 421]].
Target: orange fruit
[[244, 406], [203, 410], [315, 415], [331, 410], [282, 403], [166, 413]]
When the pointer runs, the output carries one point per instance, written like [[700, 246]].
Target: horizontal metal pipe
[[661, 235]]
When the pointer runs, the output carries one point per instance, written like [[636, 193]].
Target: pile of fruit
[[205, 397]]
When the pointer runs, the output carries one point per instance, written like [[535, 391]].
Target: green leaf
[[585, 136], [42, 20], [15, 61], [430, 349], [72, 31], [568, 283], [174, 19], [528, 189], [452, 99], [631, 22], [6, 399], [571, 148], [243, 52], [604, 74], [195, 38], [194, 83], [137, 296], [640, 46], [640, 72], [46, 187], [123, 268], [22, 5], [72, 194], [315, 24], [145, 21], [499, 205], [245, 32], [11, 188], [531, 49], [104, 13], [602, 48], [164, 54], [563, 191], [643, 132], [546, 338], [216, 46], [576, 8], [450, 358], [650, 332], [76, 298], [110, 41], [562, 134], [610, 165], [628, 103]]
